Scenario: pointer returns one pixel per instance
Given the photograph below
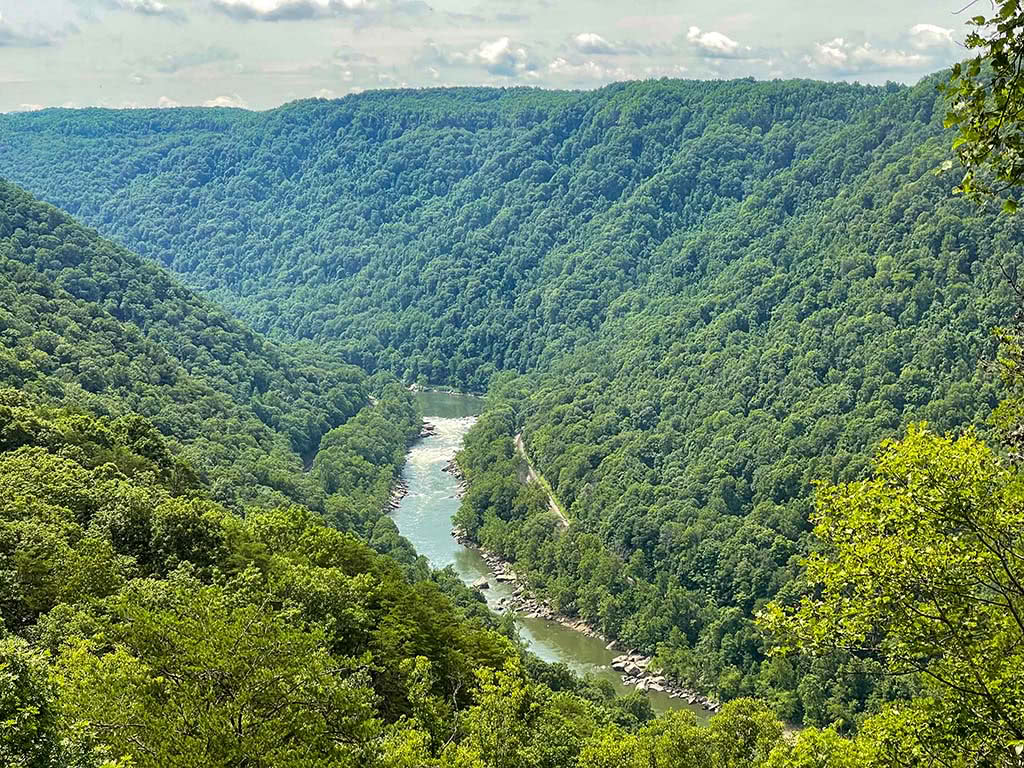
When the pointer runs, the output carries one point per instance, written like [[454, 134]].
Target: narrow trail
[[534, 477]]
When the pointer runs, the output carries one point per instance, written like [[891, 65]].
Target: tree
[[196, 679], [742, 735], [922, 566], [519, 724], [987, 103], [32, 733], [28, 720], [818, 749]]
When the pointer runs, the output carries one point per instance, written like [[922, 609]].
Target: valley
[[741, 484], [424, 518]]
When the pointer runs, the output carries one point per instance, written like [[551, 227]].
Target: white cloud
[[148, 7], [233, 100], [30, 107], [94, 10], [563, 71], [277, 10], [716, 45], [832, 54], [18, 37], [590, 42], [502, 57], [925, 36], [588, 70], [166, 102], [843, 57]]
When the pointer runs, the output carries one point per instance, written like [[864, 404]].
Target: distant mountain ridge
[[443, 233]]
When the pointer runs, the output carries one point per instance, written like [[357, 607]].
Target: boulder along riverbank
[[633, 667]]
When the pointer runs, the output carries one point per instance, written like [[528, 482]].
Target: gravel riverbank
[[633, 667]]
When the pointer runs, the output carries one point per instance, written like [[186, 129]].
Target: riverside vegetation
[[166, 601], [163, 608], [707, 308]]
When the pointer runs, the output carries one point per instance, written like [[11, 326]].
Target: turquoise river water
[[425, 519]]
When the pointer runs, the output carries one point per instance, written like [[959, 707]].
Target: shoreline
[[445, 391], [399, 488], [461, 486], [631, 665]]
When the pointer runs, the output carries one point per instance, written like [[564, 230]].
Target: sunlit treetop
[[987, 103]]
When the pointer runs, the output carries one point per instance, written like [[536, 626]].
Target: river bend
[[424, 517]]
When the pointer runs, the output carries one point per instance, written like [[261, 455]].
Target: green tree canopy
[[987, 102]]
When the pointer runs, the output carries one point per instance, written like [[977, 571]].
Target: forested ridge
[[92, 325], [708, 308], [687, 441], [438, 234], [176, 590]]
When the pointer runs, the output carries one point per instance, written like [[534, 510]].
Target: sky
[[262, 53]]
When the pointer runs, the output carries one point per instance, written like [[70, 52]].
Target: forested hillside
[[774, 350], [442, 234], [695, 301], [94, 327], [143, 622]]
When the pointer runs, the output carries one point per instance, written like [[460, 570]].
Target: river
[[424, 517]]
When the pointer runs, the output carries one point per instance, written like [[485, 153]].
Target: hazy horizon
[[260, 54]]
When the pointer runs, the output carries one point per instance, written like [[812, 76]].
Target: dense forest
[[158, 610], [445, 234], [685, 445], [743, 330], [715, 295], [94, 327]]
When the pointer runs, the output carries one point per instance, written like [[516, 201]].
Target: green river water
[[425, 519]]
